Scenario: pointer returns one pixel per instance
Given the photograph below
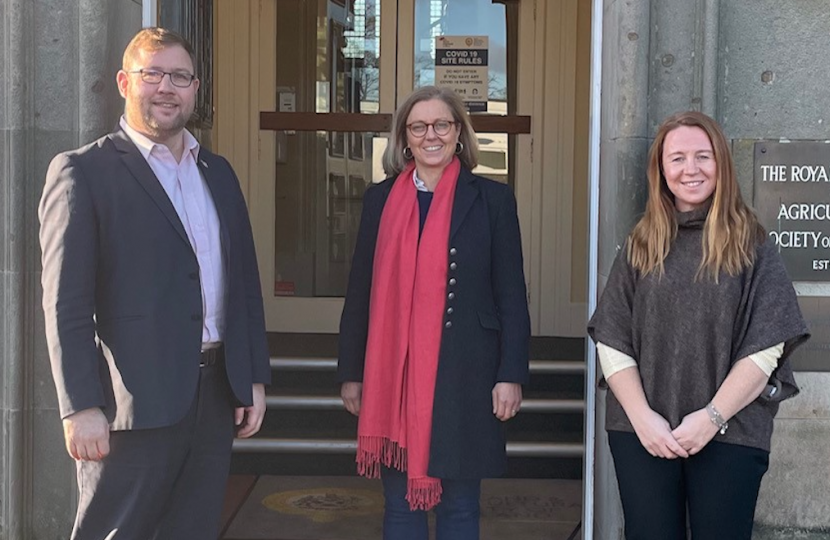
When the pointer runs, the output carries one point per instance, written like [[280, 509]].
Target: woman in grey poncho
[[693, 331]]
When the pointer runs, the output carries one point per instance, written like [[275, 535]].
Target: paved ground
[[763, 533], [350, 508]]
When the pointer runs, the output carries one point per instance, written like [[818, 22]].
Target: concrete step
[[337, 423], [296, 376], [297, 363], [349, 446], [284, 345], [306, 419], [329, 403]]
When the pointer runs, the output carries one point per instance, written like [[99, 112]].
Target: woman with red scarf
[[435, 329]]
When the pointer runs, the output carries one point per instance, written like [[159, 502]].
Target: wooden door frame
[[321, 315]]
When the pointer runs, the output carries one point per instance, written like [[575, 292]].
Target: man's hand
[[695, 431], [350, 393], [507, 399], [87, 435], [249, 419]]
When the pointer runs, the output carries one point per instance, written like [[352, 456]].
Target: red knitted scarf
[[405, 323]]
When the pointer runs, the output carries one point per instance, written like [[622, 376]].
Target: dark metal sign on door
[[792, 198]]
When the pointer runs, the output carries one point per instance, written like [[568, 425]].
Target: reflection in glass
[[193, 19], [362, 50], [332, 66], [435, 18], [492, 156]]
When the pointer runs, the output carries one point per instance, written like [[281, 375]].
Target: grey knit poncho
[[685, 334]]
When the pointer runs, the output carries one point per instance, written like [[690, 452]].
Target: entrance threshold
[[351, 508]]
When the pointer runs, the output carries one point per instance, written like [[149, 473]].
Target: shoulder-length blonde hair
[[394, 160], [731, 232]]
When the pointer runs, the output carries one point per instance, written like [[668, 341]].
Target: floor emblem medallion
[[325, 504]]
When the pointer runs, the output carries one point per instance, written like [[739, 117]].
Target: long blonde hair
[[731, 232]]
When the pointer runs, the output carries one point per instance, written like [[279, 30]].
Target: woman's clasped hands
[[690, 437]]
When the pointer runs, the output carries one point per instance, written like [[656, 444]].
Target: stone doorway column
[[58, 61]]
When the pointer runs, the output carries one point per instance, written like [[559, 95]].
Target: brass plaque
[[792, 198]]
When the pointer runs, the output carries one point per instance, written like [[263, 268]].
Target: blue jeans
[[456, 516]]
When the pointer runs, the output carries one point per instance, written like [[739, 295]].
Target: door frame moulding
[[550, 210], [295, 314], [594, 136]]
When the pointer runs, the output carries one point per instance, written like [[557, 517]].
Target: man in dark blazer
[[153, 309]]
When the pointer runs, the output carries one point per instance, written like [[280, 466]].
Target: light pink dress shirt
[[192, 200]]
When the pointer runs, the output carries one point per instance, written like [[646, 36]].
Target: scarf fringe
[[374, 451], [423, 493]]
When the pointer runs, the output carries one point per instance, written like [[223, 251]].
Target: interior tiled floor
[[350, 508]]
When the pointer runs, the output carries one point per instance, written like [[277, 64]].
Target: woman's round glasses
[[419, 129]]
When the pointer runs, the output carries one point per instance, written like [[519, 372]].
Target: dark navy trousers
[[165, 483], [717, 486]]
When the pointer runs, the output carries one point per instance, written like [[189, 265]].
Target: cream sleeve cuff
[[767, 359], [611, 360]]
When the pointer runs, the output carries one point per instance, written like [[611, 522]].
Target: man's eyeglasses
[[154, 76], [419, 129]]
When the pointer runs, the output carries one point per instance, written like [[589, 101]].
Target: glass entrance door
[[341, 68], [328, 56]]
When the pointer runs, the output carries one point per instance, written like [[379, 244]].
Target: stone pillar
[[57, 80], [17, 291], [623, 149]]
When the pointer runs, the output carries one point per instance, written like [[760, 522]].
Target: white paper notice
[[461, 64]]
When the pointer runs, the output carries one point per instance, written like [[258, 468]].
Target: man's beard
[[173, 125], [146, 123]]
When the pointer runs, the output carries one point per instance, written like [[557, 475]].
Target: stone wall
[[58, 61]]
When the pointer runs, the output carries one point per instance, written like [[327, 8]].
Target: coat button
[[453, 281], [448, 324], [450, 310], [453, 266], [451, 295], [195, 317], [453, 251]]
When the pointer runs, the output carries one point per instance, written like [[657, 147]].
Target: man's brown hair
[[154, 39]]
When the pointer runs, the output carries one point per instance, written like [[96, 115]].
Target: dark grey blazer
[[488, 338], [121, 290]]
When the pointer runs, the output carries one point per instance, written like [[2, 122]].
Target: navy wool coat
[[486, 323]]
